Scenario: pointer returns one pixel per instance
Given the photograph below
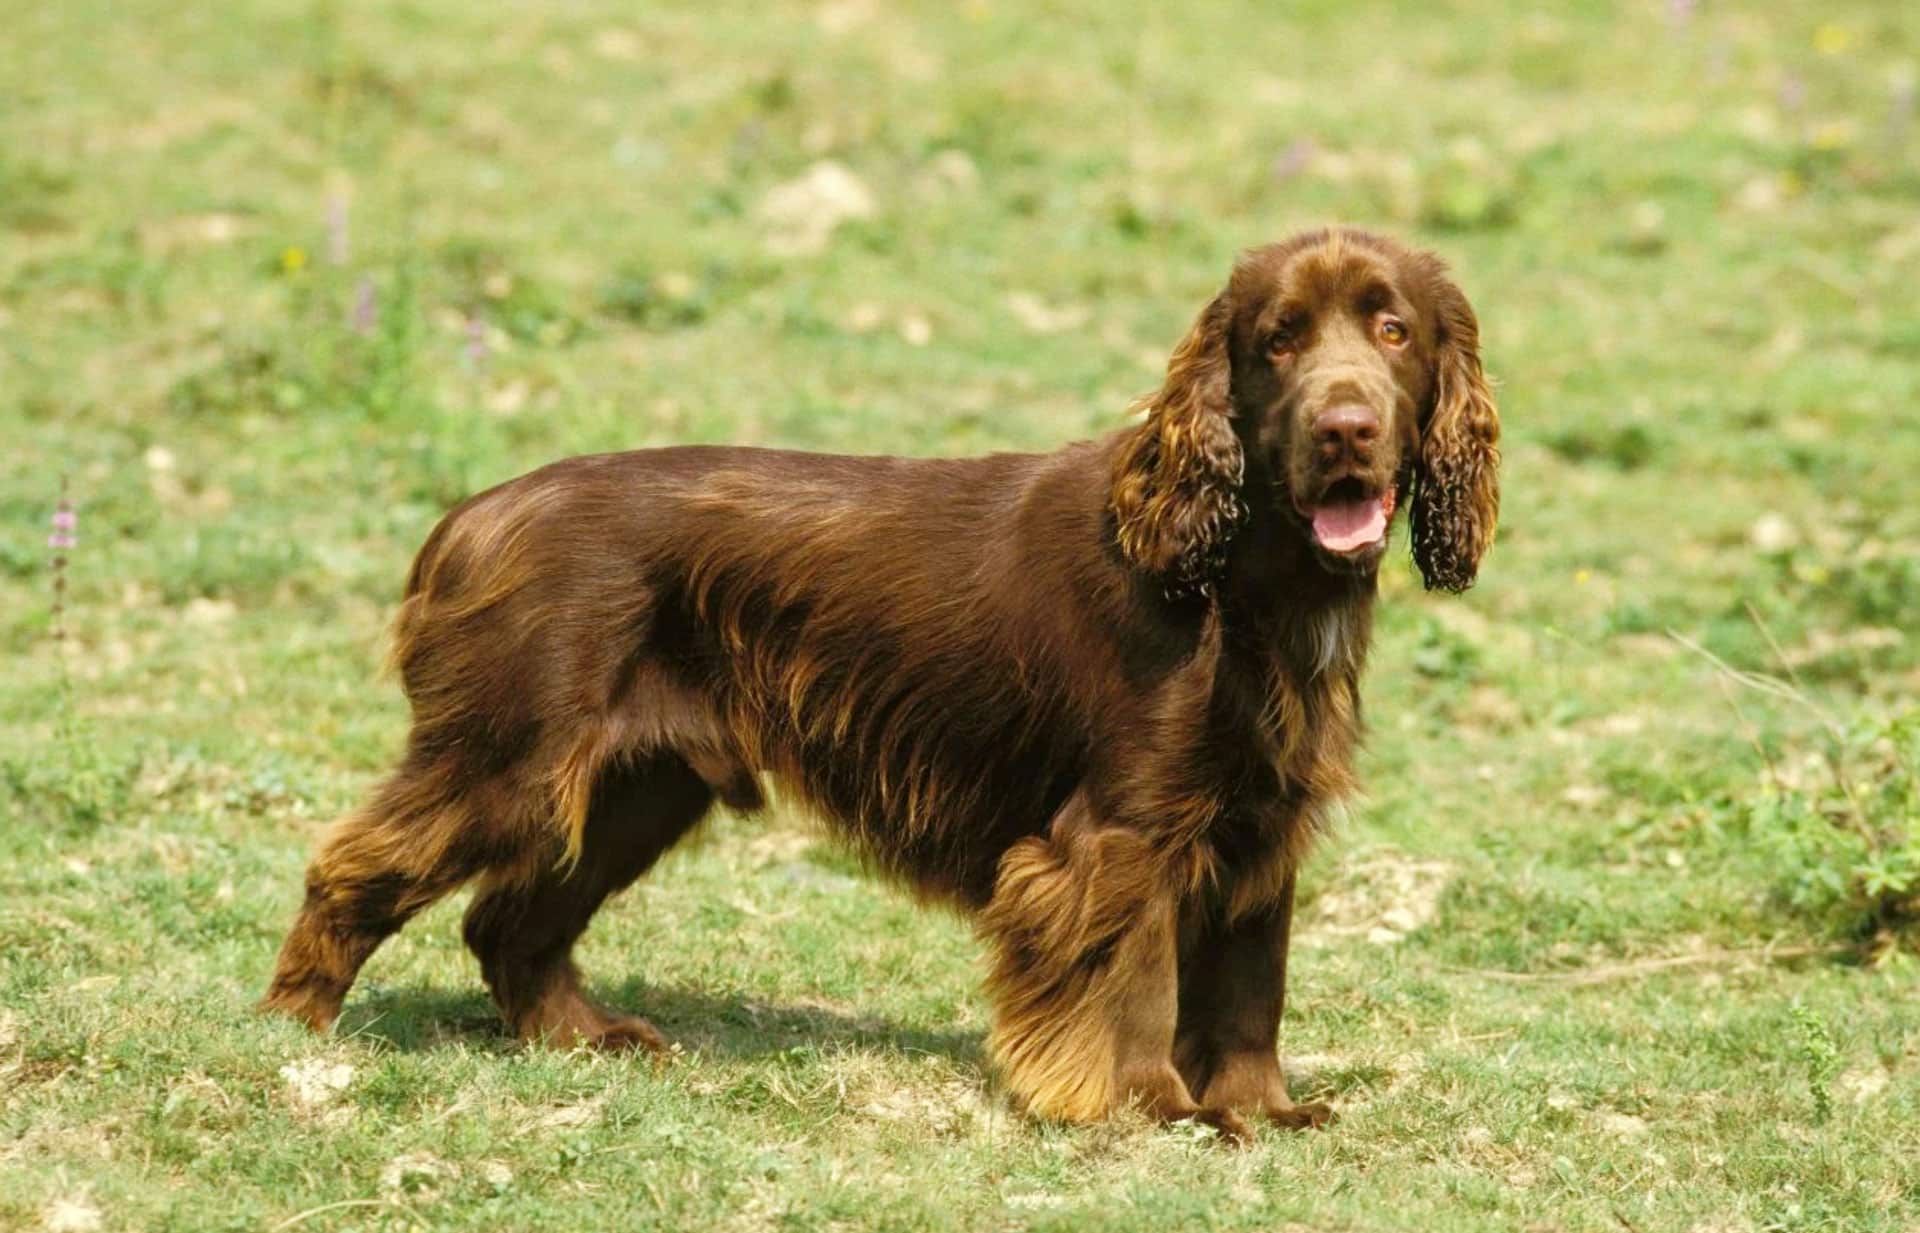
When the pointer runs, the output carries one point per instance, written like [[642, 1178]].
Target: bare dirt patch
[[1378, 894]]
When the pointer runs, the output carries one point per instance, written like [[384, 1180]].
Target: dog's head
[[1335, 378]]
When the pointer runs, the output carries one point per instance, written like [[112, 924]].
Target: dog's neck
[[1280, 600]]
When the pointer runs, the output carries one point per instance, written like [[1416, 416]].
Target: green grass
[[1692, 241]]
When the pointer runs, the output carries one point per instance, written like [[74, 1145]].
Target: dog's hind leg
[[524, 923], [419, 838]]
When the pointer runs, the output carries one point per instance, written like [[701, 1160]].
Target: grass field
[[281, 280]]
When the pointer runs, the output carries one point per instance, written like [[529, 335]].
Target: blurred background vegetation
[[280, 280]]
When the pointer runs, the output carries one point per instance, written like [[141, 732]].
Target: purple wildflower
[[366, 308], [64, 538], [476, 349], [337, 228], [1295, 159], [1680, 12], [1793, 92]]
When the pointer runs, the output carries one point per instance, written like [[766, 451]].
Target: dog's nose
[[1346, 430]]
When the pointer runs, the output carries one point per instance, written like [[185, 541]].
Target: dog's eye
[[1285, 335], [1393, 331]]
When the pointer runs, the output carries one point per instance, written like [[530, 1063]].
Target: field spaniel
[[1101, 699]]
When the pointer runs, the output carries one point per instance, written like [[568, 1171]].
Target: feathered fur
[[1102, 699], [1177, 482], [1457, 484]]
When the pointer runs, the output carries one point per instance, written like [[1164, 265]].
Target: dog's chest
[[1298, 705], [1303, 725], [1296, 765], [1288, 755]]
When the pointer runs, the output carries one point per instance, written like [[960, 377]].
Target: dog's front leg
[[1085, 977], [1233, 991]]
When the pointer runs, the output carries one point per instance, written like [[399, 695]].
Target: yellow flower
[[293, 260], [1832, 40], [1583, 576], [1833, 135]]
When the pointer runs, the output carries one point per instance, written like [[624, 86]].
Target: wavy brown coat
[[1100, 699]]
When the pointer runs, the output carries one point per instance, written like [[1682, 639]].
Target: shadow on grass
[[717, 1024], [740, 1028]]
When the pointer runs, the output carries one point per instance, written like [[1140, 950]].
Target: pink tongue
[[1346, 525]]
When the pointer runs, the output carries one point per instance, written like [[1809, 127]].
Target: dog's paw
[[1234, 1130], [1314, 1116], [631, 1033]]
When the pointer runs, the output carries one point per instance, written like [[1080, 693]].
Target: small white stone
[[72, 1216], [1626, 1125], [1040, 317], [1401, 920], [203, 611], [1863, 1085], [802, 214], [865, 317], [416, 1173], [315, 1081], [1760, 195], [1772, 533], [955, 170]]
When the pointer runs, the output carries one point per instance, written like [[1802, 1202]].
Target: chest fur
[[1309, 732], [1299, 734]]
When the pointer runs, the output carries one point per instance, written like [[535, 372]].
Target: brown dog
[[1102, 699]]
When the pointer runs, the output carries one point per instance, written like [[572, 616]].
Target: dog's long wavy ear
[[1456, 485], [1176, 482]]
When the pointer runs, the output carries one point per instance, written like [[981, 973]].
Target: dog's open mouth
[[1350, 518]]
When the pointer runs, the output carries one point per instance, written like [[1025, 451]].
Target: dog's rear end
[[501, 670]]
